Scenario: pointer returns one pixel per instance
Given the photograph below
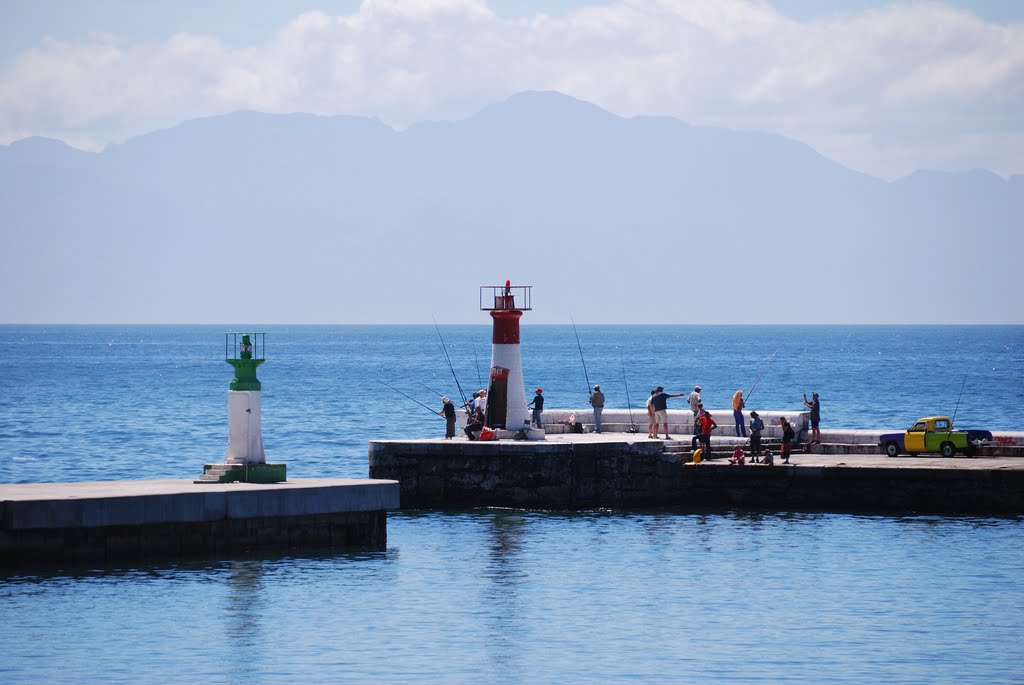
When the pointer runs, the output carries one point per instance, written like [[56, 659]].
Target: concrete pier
[[577, 471], [141, 519]]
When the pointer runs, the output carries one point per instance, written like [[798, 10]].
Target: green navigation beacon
[[244, 459], [240, 355]]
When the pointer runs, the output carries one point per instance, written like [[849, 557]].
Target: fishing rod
[[958, 403], [632, 426], [432, 411], [479, 378], [449, 360], [585, 375], [439, 394], [750, 392]]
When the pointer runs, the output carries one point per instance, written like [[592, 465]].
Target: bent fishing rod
[[585, 375], [432, 411], [751, 391], [951, 424], [449, 360]]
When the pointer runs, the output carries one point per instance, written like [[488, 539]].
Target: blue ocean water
[[499, 595], [108, 402]]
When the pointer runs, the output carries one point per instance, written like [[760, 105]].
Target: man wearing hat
[[538, 407], [448, 412], [756, 426], [660, 403], [597, 402]]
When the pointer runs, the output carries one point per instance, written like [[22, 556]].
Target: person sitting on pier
[[768, 459], [474, 424], [737, 457]]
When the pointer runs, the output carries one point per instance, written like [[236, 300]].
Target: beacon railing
[[505, 298], [233, 345]]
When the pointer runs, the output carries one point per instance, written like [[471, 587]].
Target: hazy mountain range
[[260, 218]]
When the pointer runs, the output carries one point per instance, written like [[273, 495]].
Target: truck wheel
[[892, 449], [947, 449]]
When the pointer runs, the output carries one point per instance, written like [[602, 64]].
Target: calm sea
[[511, 596]]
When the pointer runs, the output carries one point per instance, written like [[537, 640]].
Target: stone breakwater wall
[[117, 520], [680, 421], [568, 475]]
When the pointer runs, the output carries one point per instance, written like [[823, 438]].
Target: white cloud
[[886, 90]]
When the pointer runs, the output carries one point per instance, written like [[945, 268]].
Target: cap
[[445, 400], [659, 389], [754, 414], [597, 387], [697, 388], [540, 390]]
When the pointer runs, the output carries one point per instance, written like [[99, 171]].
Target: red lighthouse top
[[503, 297]]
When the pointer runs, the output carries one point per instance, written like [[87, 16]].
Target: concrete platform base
[[591, 470], [143, 519], [244, 473]]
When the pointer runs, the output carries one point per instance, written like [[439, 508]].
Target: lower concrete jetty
[[142, 519], [579, 471]]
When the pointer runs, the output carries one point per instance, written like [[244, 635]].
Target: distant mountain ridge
[[343, 219]]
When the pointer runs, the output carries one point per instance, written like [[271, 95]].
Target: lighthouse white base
[[516, 413], [245, 432]]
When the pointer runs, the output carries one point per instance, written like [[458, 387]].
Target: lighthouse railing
[[505, 298], [233, 345]]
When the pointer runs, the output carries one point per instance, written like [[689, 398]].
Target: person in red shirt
[[706, 424]]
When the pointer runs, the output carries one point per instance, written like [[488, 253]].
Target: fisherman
[[652, 427], [538, 407], [597, 402], [756, 426], [787, 438], [815, 406], [448, 412], [481, 402], [695, 405], [737, 414], [660, 403]]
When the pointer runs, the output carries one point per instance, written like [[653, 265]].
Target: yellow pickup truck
[[934, 434]]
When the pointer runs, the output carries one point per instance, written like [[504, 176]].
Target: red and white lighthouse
[[506, 393]]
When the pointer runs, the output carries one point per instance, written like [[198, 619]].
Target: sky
[[885, 88]]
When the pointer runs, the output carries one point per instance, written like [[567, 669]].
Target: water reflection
[[244, 609], [502, 595]]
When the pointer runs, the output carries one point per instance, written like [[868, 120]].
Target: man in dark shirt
[[538, 407], [448, 412], [660, 403]]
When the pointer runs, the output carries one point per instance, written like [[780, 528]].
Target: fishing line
[[951, 424], [432, 411], [632, 426], [439, 394], [444, 349], [750, 392]]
